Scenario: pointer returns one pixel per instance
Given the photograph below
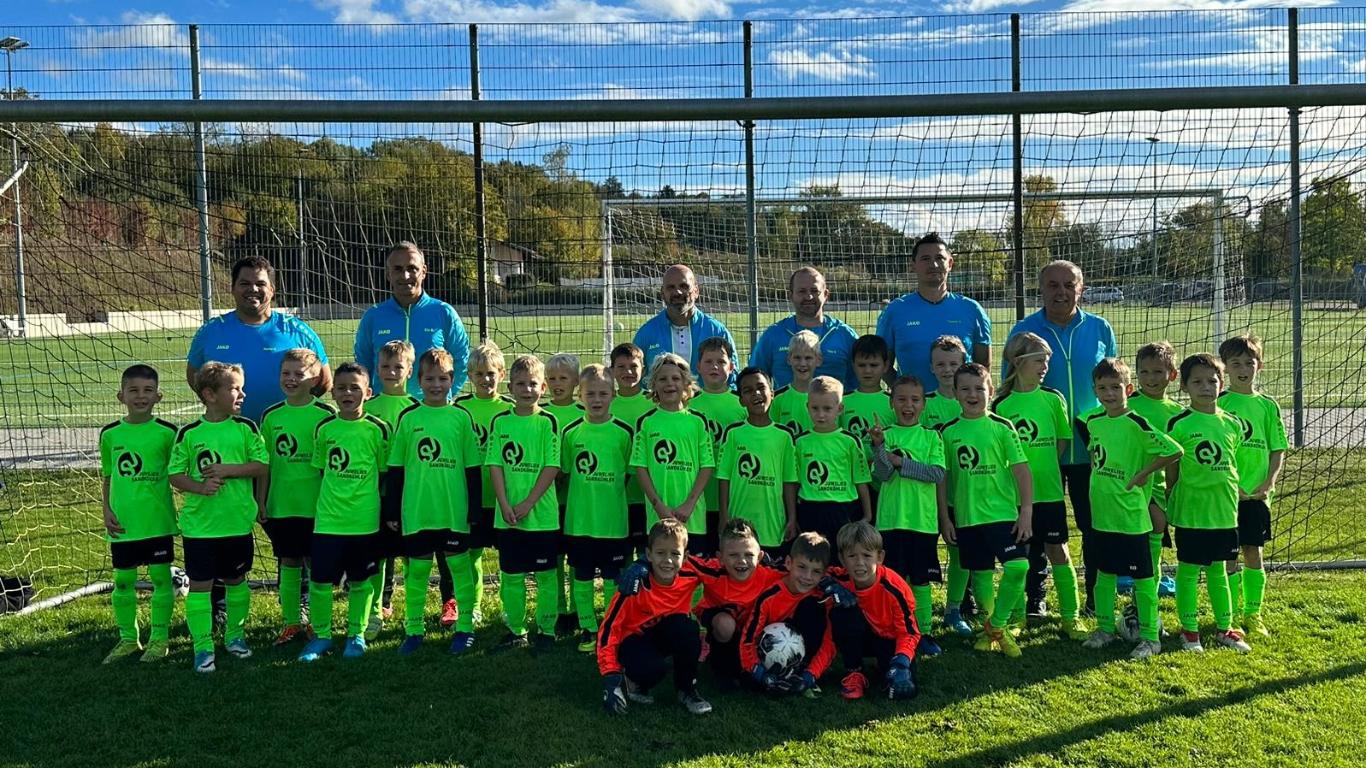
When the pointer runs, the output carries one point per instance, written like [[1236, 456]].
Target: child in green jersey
[[432, 483], [395, 368], [1039, 414], [288, 428], [562, 378], [1259, 465], [631, 403], [351, 448], [910, 461], [1156, 370], [673, 454], [718, 404], [832, 468], [789, 402], [215, 461], [1202, 498], [947, 354], [139, 515], [487, 371], [595, 458], [871, 359], [1126, 453], [523, 458], [757, 469], [991, 493]]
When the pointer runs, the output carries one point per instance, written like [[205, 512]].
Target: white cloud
[[356, 11], [686, 10], [835, 66], [1108, 6], [140, 30], [480, 11], [981, 6]]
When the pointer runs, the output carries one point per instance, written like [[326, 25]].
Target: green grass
[[1289, 703], [70, 381]]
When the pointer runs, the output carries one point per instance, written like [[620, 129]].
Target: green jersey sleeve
[[1040, 419], [831, 465], [481, 413], [980, 453], [435, 445], [904, 503], [595, 458], [388, 407], [674, 447], [630, 410], [1206, 491], [757, 462], [523, 446], [862, 410], [939, 410], [288, 432], [352, 454], [135, 458], [232, 510], [1119, 447]]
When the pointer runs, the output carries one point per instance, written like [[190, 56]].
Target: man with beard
[[682, 326], [808, 292]]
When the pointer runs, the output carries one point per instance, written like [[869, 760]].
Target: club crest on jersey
[[1209, 454], [129, 464], [1247, 428], [428, 450], [585, 463], [1098, 457], [749, 466], [665, 451], [512, 454], [713, 429], [968, 457], [859, 426], [1027, 430], [206, 457], [817, 473], [338, 459], [481, 433], [286, 445]]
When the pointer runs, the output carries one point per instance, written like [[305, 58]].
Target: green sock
[[958, 580], [416, 572], [474, 568], [984, 590], [1254, 590], [1235, 591], [163, 601], [547, 607], [924, 607], [1105, 601], [320, 609], [609, 590], [1155, 547], [359, 602], [512, 589], [1188, 596], [1145, 597], [376, 593], [1216, 583], [199, 618], [565, 603], [291, 602], [1065, 582], [466, 596], [238, 598], [583, 603], [1010, 595], [125, 602]]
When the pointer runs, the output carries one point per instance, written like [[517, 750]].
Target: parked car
[[1102, 294]]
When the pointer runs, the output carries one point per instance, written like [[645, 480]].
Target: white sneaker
[[1146, 649], [1233, 640], [694, 702], [1099, 639], [1190, 641]]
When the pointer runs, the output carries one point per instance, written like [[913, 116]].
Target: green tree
[[1334, 236]]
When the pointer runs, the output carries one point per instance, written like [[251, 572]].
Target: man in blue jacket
[[806, 288], [411, 315], [681, 327]]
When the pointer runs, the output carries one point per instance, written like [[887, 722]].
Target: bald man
[[681, 327], [808, 292]]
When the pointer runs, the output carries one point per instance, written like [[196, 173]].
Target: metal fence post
[[481, 253], [1017, 172], [20, 291], [303, 242], [201, 185], [751, 214], [1296, 256]]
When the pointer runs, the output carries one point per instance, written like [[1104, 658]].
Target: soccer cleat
[[1190, 641], [1253, 625], [694, 702], [204, 661], [983, 642], [355, 647], [928, 647], [953, 620], [566, 624], [1015, 627], [1233, 640], [123, 650], [410, 645], [542, 643], [512, 642], [156, 651], [450, 613], [461, 642], [588, 642], [1146, 649], [1075, 629], [636, 695], [238, 649], [293, 632], [1099, 639], [1166, 587], [853, 686], [373, 627], [1037, 609], [1008, 645], [316, 648]]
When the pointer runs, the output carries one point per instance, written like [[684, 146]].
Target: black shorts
[[425, 544], [980, 546], [1050, 522], [913, 555], [1206, 546], [481, 529], [130, 554], [1122, 554], [387, 543], [1254, 523], [290, 537], [227, 558], [705, 544], [637, 530], [827, 517], [335, 556], [527, 551], [589, 556]]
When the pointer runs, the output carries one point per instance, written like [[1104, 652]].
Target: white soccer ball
[[781, 649], [618, 326], [180, 581]]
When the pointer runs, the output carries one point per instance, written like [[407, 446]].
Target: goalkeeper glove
[[841, 595], [633, 577], [798, 682], [901, 679], [614, 693]]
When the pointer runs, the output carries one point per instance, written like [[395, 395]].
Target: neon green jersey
[[1157, 413], [288, 431], [939, 410], [134, 457], [980, 453], [860, 408], [830, 466], [629, 408], [481, 413], [352, 453], [435, 445], [231, 511], [523, 446], [596, 459], [758, 462], [721, 410], [1263, 434], [1119, 447], [674, 447], [387, 407], [1206, 491], [905, 504], [789, 410], [1040, 419], [564, 414]]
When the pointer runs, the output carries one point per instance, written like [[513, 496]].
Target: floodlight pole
[[12, 45]]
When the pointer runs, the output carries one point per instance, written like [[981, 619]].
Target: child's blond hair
[[804, 341], [1019, 346], [858, 535], [436, 356], [488, 354], [527, 365], [669, 358], [563, 361], [668, 528], [303, 356], [826, 385], [949, 343], [595, 373], [214, 374], [400, 349]]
